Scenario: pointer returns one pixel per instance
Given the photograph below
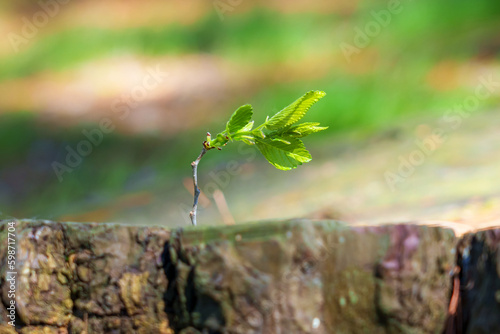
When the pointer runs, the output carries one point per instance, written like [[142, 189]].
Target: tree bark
[[294, 276]]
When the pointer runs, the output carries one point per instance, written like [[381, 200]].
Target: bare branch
[[194, 165]]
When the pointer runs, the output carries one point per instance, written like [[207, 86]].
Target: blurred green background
[[66, 67]]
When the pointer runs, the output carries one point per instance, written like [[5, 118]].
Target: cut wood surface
[[295, 276]]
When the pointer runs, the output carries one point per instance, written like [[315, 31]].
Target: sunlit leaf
[[295, 111], [240, 119], [302, 130], [282, 155], [258, 133], [247, 127], [247, 141], [281, 140]]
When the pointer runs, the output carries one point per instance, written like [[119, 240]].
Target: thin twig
[[194, 164]]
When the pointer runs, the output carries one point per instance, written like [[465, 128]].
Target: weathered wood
[[304, 277], [88, 278], [479, 260], [270, 277]]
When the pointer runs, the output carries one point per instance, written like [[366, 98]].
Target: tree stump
[[294, 276]]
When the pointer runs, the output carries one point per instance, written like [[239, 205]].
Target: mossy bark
[[87, 278], [304, 277], [270, 277]]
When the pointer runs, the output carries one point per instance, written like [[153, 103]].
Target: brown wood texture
[[293, 276]]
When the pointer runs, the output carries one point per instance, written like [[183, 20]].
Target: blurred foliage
[[385, 88], [424, 28]]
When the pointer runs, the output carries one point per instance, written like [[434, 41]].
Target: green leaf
[[247, 127], [247, 141], [282, 155], [295, 111], [281, 140], [240, 119], [258, 133], [302, 130]]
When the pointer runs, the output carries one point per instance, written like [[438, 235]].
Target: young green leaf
[[282, 155], [258, 133], [240, 119], [276, 139], [247, 127], [295, 111], [247, 141], [281, 140], [302, 130]]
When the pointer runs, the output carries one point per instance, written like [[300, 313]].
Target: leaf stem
[[261, 126], [247, 135], [197, 191]]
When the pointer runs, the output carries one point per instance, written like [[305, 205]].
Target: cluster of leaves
[[278, 139]]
